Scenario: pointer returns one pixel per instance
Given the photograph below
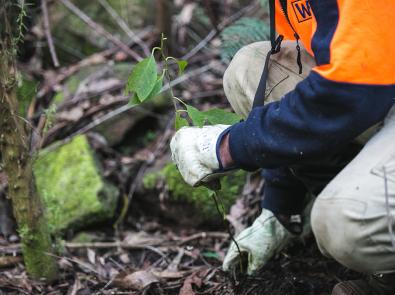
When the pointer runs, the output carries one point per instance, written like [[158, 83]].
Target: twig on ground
[[100, 30], [94, 59], [174, 265], [203, 235], [106, 285], [7, 261], [143, 168], [79, 262], [93, 124], [48, 34], [158, 149], [124, 26], [161, 244]]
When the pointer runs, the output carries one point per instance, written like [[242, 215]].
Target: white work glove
[[193, 149], [260, 242], [264, 239]]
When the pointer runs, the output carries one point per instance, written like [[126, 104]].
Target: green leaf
[[212, 255], [212, 117], [143, 78], [219, 116], [180, 121], [134, 100], [198, 118], [156, 90], [182, 64]]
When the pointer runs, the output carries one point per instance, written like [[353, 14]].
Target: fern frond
[[243, 32]]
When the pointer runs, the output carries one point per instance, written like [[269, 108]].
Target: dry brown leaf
[[194, 279], [187, 288], [167, 275], [137, 280], [76, 287], [72, 115], [91, 256]]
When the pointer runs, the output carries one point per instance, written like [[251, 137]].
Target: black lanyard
[[259, 99]]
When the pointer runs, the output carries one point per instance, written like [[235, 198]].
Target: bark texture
[[16, 161]]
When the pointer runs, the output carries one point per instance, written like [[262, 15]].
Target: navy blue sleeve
[[283, 193], [317, 118]]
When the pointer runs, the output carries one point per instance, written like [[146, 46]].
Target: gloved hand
[[260, 242], [193, 149], [264, 239]]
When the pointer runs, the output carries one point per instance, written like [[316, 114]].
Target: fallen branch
[[100, 30], [163, 244], [202, 236], [97, 58], [123, 25], [48, 35], [7, 261]]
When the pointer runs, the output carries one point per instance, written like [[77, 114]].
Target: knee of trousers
[[242, 76], [339, 228]]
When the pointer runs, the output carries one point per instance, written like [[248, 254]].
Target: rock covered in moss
[[70, 183], [200, 198]]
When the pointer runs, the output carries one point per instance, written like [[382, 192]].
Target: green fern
[[243, 32]]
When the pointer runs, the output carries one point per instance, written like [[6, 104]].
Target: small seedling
[[146, 81]]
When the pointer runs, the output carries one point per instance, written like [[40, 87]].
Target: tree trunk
[[16, 161]]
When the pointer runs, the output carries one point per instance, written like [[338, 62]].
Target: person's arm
[[351, 89]]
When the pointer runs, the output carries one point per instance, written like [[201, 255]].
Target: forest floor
[[184, 265]]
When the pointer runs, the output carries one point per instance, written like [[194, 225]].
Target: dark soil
[[299, 270]]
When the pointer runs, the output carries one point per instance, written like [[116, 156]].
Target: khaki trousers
[[350, 218]]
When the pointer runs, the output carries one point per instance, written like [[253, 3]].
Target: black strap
[[259, 99], [272, 8]]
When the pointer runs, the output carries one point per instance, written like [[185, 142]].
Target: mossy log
[[17, 163]]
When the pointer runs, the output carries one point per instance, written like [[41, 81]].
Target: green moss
[[200, 197], [69, 182], [38, 265], [58, 98], [150, 180], [84, 237]]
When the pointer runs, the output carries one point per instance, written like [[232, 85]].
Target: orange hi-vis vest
[[358, 36]]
